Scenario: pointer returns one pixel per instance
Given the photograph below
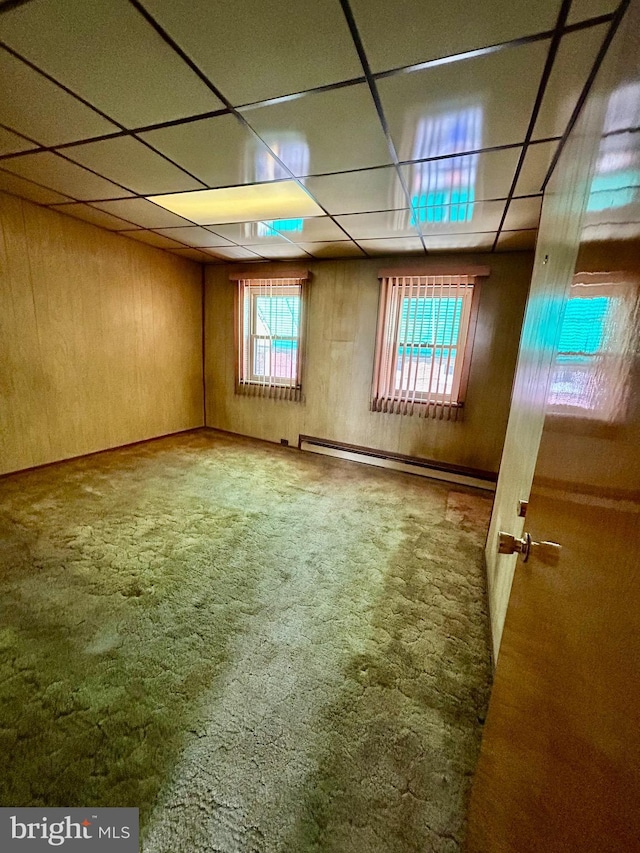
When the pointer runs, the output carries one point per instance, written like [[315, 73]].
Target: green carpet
[[265, 651]]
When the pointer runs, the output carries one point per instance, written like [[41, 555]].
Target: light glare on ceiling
[[270, 201]]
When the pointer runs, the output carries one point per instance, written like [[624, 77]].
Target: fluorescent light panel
[[271, 201]]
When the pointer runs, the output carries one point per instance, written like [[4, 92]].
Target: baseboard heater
[[399, 462]]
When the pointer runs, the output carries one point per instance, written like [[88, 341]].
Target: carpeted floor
[[266, 651]]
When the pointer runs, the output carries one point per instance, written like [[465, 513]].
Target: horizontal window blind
[[423, 328], [269, 329]]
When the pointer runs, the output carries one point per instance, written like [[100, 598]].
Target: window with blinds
[[269, 336], [423, 344]]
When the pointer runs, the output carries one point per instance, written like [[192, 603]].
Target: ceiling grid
[[405, 133]]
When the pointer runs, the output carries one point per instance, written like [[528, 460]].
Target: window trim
[[246, 291], [385, 395], [254, 294], [456, 395]]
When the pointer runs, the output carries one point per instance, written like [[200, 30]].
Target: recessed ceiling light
[[277, 200]]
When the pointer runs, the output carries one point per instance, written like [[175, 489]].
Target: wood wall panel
[[100, 338], [555, 259], [342, 318], [559, 766]]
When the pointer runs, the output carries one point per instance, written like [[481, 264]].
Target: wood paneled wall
[[556, 252], [100, 338], [560, 756], [342, 317]]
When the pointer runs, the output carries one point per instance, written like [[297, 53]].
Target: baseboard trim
[[97, 452], [245, 436], [473, 477], [432, 469]]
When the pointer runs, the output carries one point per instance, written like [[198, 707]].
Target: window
[[270, 320], [590, 375], [425, 331]]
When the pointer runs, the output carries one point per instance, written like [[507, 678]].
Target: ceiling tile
[[212, 254], [582, 10], [280, 250], [95, 216], [358, 192], [467, 177], [32, 105], [11, 183], [390, 223], [153, 239], [195, 255], [220, 151], [303, 230], [392, 245], [249, 233], [534, 169], [142, 212], [10, 143], [323, 131], [59, 174], [463, 106], [411, 31], [512, 241], [479, 242], [195, 236], [254, 50], [523, 213], [106, 52], [277, 200], [462, 218], [132, 164], [236, 253], [337, 249], [482, 215], [571, 68]]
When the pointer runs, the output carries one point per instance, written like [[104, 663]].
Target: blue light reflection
[[444, 190], [273, 227]]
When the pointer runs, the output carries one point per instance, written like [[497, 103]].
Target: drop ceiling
[[247, 130]]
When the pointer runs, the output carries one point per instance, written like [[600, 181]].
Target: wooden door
[[559, 768]]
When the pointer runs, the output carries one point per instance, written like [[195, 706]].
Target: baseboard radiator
[[399, 462]]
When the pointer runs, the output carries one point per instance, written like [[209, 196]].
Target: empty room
[[319, 419]]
